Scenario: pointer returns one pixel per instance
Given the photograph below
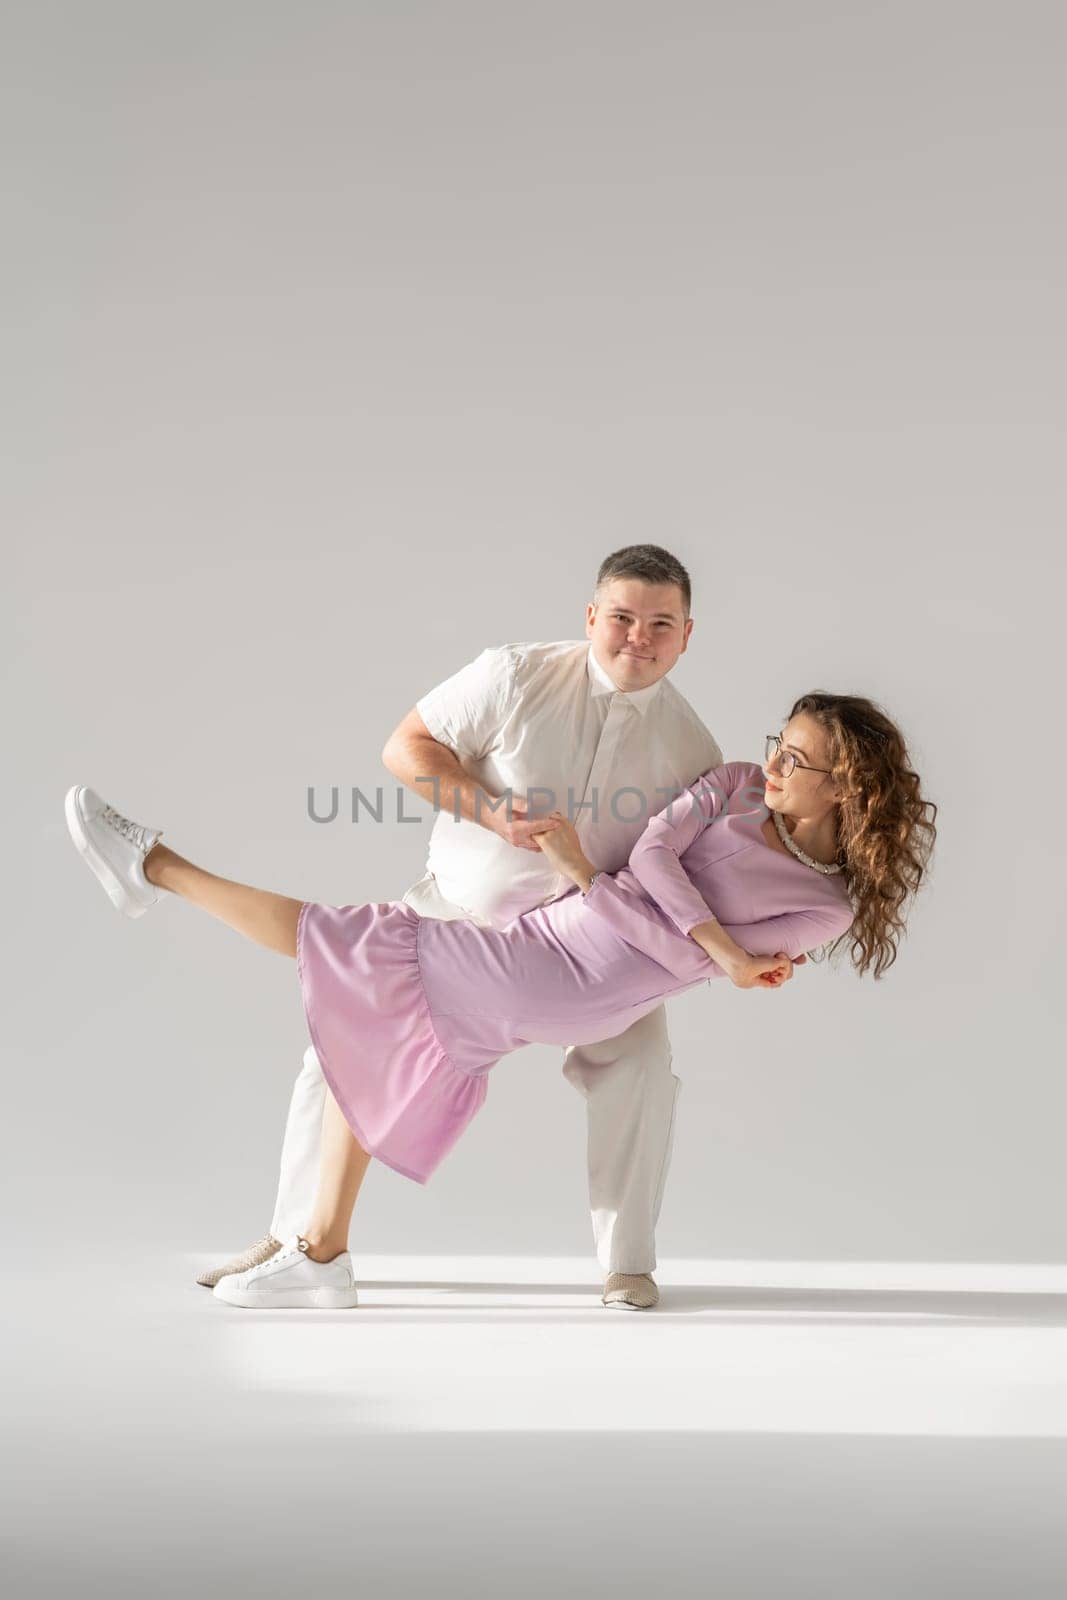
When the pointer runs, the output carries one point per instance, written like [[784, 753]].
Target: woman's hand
[[563, 849], [759, 972], [521, 828]]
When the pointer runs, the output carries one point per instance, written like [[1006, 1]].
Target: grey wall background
[[343, 340]]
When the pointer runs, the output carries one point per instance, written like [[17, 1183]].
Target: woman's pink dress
[[407, 1013]]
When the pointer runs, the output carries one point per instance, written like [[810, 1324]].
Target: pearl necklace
[[801, 855]]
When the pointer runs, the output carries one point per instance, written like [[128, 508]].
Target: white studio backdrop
[[344, 341]]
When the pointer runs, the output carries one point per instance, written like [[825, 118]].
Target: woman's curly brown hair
[[885, 828]]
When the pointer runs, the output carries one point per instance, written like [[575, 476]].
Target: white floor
[[487, 1426]]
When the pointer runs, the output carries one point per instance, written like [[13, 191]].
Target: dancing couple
[[592, 856]]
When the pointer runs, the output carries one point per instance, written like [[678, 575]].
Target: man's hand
[[523, 830]]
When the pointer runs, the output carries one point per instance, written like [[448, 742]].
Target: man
[[594, 730]]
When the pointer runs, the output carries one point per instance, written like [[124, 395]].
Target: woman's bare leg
[[266, 918], [270, 919], [341, 1170]]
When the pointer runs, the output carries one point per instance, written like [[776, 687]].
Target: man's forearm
[[434, 772]]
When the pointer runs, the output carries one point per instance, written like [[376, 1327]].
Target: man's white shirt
[[546, 722]]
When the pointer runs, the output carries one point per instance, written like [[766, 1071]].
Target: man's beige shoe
[[632, 1290], [254, 1256]]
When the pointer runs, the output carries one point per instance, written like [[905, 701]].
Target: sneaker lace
[[122, 825], [286, 1253]]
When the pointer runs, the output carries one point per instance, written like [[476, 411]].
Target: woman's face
[[803, 794]]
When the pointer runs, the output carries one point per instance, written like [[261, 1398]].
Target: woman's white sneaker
[[114, 848], [291, 1280]]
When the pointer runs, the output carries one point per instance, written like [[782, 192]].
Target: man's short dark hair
[[648, 562]]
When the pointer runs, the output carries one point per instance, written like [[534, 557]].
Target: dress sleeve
[[468, 709], [795, 932], [628, 913], [656, 864], [656, 858], [634, 920]]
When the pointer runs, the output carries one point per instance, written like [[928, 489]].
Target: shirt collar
[[602, 684]]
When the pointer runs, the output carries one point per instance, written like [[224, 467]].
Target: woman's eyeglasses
[[773, 747]]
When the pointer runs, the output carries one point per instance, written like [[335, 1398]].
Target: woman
[[744, 871]]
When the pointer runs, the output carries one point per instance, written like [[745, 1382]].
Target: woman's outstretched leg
[[312, 1270], [342, 1166], [268, 919]]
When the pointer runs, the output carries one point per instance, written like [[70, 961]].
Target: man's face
[[638, 630]]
